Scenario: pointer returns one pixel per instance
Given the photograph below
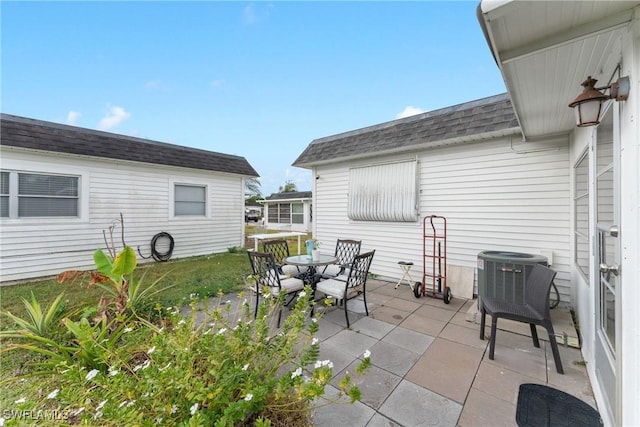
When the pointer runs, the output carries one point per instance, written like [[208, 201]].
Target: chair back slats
[[360, 269], [279, 248], [347, 250], [264, 267], [537, 288]]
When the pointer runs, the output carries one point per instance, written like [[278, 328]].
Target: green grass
[[203, 275]]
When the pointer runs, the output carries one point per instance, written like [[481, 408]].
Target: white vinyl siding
[[384, 192], [492, 198], [142, 193]]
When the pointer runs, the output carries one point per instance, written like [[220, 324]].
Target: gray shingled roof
[[34, 134], [461, 122], [290, 195]]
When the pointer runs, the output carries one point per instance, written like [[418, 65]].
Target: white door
[[607, 274]]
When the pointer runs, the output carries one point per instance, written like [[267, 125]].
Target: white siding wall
[[492, 198], [36, 247]]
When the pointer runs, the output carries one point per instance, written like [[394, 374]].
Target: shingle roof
[[458, 122], [290, 195], [34, 134]]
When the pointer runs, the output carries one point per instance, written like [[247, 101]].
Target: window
[[581, 219], [286, 213], [297, 213], [385, 192], [4, 194], [24, 195], [190, 200]]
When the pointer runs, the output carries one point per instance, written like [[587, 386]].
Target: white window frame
[[14, 197], [173, 185], [580, 239], [384, 192]]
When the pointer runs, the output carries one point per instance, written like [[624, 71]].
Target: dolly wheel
[[417, 287], [447, 295]]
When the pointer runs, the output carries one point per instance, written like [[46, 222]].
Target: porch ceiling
[[545, 49]]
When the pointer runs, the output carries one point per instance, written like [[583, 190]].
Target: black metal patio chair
[[346, 250], [343, 288], [280, 250], [268, 279]]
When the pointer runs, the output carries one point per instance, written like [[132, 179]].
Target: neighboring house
[[289, 211], [61, 186], [515, 173]]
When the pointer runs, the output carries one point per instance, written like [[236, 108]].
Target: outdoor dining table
[[307, 261]]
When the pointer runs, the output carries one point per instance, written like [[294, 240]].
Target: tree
[[289, 187], [252, 187]]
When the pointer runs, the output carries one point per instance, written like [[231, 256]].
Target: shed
[[61, 186], [290, 211]]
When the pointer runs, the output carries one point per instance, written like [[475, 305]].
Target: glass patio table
[[306, 261]]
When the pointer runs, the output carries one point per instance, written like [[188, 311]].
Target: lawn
[[202, 275]]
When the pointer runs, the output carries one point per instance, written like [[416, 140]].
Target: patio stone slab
[[335, 314], [327, 329], [393, 358], [339, 358], [575, 380], [372, 327], [351, 343], [435, 313], [390, 315], [447, 368], [412, 405], [517, 353], [463, 335], [424, 325], [340, 414], [500, 383], [402, 304], [376, 384], [408, 339], [482, 409], [381, 421]]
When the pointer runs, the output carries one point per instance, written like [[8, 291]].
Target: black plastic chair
[[344, 289], [346, 251], [534, 311], [280, 250], [267, 276]]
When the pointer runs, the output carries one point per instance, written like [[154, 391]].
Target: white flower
[[91, 374], [314, 341], [53, 394], [21, 400], [113, 371], [367, 354], [302, 294], [296, 373], [314, 320], [1, 421], [127, 329], [194, 408], [245, 367], [248, 397], [222, 331], [131, 403], [181, 322], [321, 363], [174, 409], [151, 350]]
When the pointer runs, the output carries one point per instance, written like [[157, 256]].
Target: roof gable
[[34, 134], [456, 123]]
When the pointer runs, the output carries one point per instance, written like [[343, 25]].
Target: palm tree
[[252, 187], [289, 187]]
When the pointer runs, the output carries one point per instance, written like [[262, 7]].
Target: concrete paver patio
[[429, 366]]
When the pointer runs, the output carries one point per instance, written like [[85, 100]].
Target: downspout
[[496, 57]]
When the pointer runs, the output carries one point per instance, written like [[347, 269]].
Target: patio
[[429, 367]]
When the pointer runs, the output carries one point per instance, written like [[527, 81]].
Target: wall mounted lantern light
[[588, 105]]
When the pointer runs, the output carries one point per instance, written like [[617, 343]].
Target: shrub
[[216, 367]]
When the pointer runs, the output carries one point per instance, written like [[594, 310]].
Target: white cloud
[[72, 117], [114, 117], [252, 14], [409, 111]]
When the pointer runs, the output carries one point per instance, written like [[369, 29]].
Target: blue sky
[[260, 80]]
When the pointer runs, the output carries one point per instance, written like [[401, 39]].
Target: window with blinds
[[384, 192], [25, 195], [190, 200]]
